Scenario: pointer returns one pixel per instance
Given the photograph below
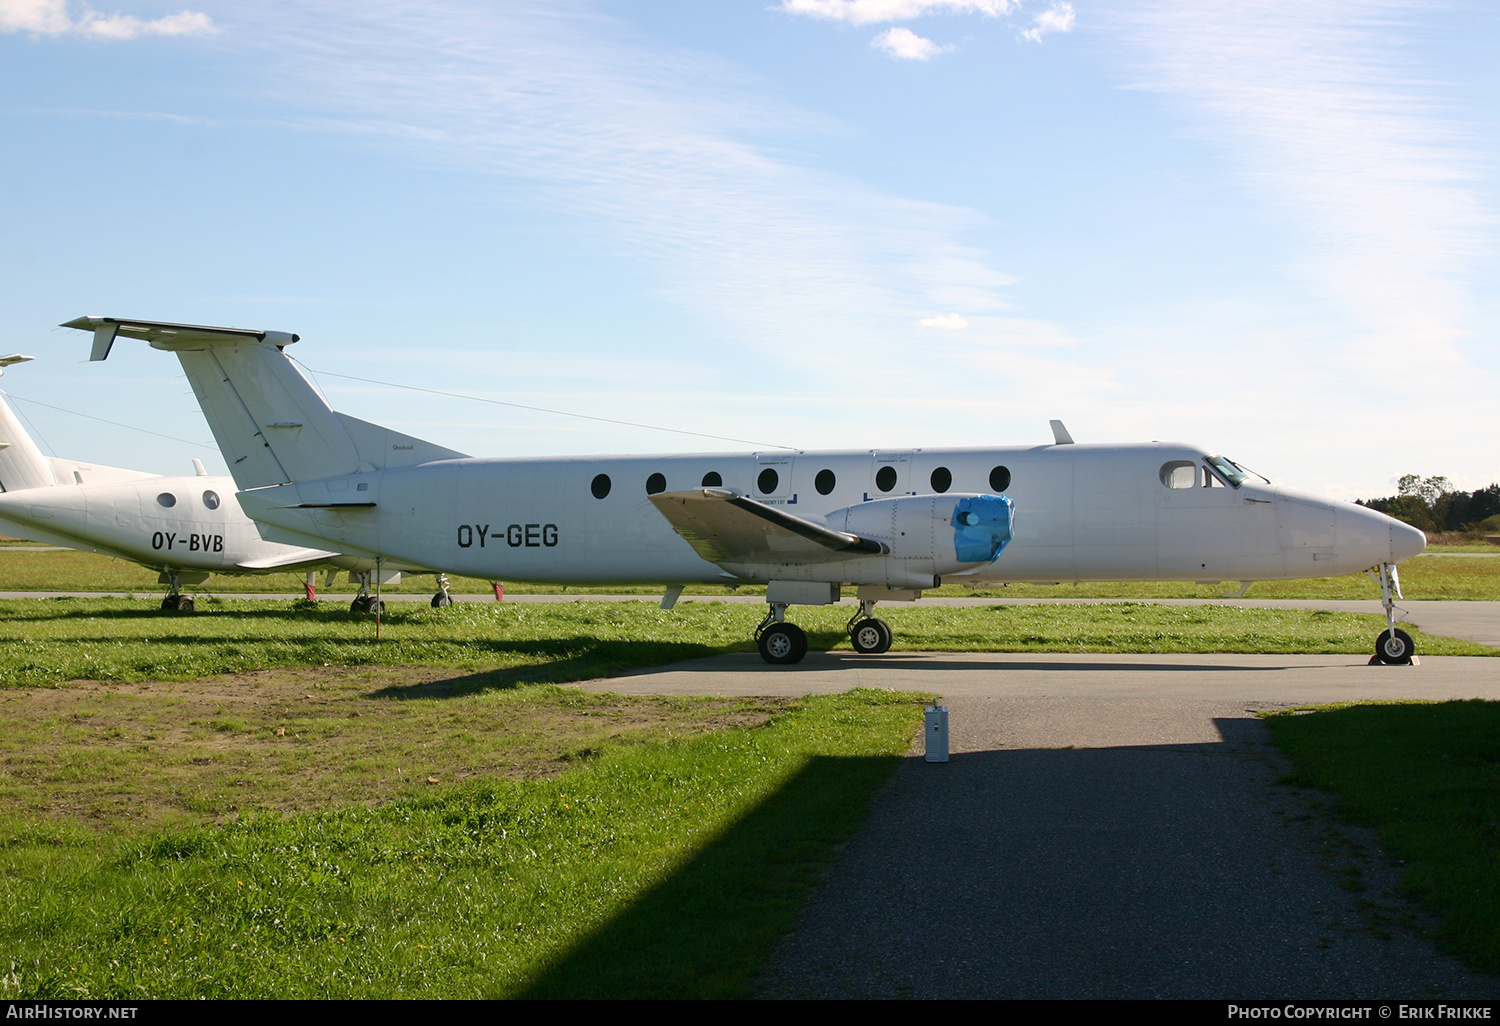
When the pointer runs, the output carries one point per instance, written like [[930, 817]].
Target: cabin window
[[1179, 474], [999, 479], [712, 480], [825, 481], [767, 481], [656, 483], [211, 500], [885, 478], [166, 499], [942, 479], [600, 487]]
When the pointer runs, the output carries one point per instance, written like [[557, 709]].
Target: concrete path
[[1109, 827]]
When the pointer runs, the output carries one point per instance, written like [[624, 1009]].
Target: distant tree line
[[1433, 504]]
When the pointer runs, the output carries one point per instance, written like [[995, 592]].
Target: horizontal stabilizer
[[167, 335], [723, 526]]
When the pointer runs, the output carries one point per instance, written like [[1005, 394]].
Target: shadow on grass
[[707, 929], [571, 659]]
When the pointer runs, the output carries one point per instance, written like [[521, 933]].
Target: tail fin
[[271, 424], [22, 464]]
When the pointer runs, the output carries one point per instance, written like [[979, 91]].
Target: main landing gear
[[783, 643], [176, 602], [364, 602], [1394, 647], [780, 643], [442, 599], [868, 635]]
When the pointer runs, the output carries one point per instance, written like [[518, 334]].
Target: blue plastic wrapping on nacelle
[[982, 526]]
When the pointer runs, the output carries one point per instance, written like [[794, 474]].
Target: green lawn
[[1427, 777], [51, 641], [664, 869], [1425, 577]]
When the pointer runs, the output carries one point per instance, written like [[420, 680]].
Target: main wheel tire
[[782, 643], [375, 605], [870, 636], [361, 604], [442, 600], [1394, 648], [169, 604], [185, 604]]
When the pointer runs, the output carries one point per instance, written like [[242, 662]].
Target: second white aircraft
[[891, 523]]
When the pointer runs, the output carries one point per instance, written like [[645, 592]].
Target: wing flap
[[724, 526]]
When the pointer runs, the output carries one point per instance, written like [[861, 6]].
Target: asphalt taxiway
[[1109, 826]]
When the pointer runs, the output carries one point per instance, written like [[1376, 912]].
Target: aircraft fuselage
[[1083, 512]]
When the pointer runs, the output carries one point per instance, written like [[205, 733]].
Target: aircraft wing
[[724, 526], [287, 560]]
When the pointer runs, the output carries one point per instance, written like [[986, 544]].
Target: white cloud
[[54, 18], [866, 12], [1321, 116], [906, 45], [1059, 19], [948, 322], [645, 146]]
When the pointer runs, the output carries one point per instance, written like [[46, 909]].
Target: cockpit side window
[[1179, 474], [1227, 470]]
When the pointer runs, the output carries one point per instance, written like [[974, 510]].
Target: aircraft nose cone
[[1406, 541]]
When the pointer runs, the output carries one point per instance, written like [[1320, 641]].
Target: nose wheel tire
[[177, 604], [442, 600], [871, 636], [1394, 647], [782, 643], [367, 604]]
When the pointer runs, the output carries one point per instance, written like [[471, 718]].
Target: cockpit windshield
[[1229, 470]]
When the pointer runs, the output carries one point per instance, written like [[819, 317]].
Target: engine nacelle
[[932, 535]]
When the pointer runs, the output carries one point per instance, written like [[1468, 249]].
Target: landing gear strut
[[868, 635], [442, 599], [364, 602], [780, 643], [1393, 647], [176, 602]]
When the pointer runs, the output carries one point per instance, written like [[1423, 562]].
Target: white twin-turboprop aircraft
[[186, 528], [890, 523]]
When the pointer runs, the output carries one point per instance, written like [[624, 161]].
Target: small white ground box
[[937, 733]]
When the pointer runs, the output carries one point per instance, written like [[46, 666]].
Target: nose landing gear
[[442, 599], [1394, 647]]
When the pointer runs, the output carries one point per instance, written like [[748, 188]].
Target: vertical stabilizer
[[272, 426], [22, 464]]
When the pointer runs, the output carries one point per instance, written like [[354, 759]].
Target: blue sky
[[1265, 228]]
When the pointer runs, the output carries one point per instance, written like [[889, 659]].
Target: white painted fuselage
[[1083, 512], [164, 523]]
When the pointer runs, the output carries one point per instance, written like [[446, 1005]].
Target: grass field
[[664, 865], [264, 800], [47, 642], [1425, 577], [1426, 775]]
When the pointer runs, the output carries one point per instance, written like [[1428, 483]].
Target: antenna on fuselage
[[1060, 434]]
